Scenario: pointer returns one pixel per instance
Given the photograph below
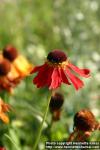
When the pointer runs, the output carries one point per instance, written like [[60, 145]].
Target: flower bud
[[56, 102]]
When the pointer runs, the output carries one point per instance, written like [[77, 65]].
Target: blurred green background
[[36, 27]]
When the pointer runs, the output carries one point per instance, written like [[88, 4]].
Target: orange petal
[[22, 65], [13, 74], [4, 118]]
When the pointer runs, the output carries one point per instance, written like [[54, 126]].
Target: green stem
[[13, 142], [49, 130], [41, 126]]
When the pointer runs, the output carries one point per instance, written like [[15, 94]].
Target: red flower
[[58, 69]]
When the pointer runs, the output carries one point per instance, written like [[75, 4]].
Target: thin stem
[[49, 130], [79, 137], [71, 137], [41, 126]]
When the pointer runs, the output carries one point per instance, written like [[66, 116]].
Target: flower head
[[58, 69], [3, 109], [13, 68], [19, 62], [84, 120], [55, 106], [84, 124], [56, 102]]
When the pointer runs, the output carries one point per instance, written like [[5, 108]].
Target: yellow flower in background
[[13, 68], [4, 107], [21, 64], [9, 77]]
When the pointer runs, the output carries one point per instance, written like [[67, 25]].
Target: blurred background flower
[[4, 107], [13, 68], [35, 28], [84, 124]]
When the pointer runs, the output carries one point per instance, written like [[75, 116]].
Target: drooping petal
[[49, 76], [46, 78], [43, 77], [63, 76], [75, 80], [56, 80], [37, 68], [82, 72], [40, 79]]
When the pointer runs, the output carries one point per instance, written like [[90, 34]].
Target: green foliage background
[[36, 27]]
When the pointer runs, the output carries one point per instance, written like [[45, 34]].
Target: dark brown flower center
[[10, 53], [56, 102], [4, 67], [56, 56]]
